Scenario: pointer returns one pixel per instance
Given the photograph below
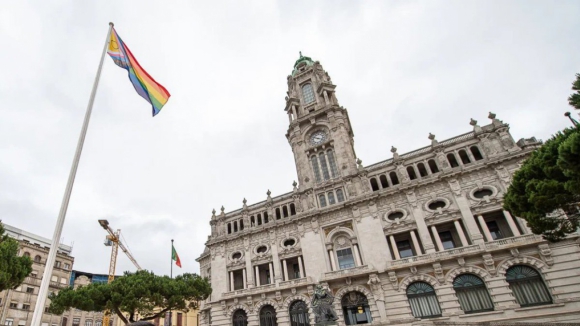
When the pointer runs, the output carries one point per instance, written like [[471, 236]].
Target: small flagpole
[[171, 275], [42, 293]]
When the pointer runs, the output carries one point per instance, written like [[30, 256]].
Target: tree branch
[[120, 314], [159, 314]]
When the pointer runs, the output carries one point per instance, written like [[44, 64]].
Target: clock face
[[318, 138]]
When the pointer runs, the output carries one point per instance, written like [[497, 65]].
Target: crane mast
[[113, 240]]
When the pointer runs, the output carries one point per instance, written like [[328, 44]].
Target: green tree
[[13, 268], [141, 293], [545, 191], [574, 99]]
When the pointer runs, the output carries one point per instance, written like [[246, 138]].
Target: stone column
[[423, 230], [466, 215], [395, 249], [244, 280], [459, 230], [301, 267], [416, 245], [437, 238], [356, 255], [257, 275], [389, 256], [484, 228], [326, 100], [276, 260], [249, 271], [524, 224], [231, 280], [285, 270], [294, 112], [270, 270], [332, 262], [511, 223]]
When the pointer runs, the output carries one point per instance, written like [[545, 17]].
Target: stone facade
[[17, 306], [418, 239]]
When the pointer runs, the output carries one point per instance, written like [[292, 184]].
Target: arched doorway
[[240, 318], [299, 314], [268, 316], [356, 310]]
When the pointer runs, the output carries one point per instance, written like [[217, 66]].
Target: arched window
[[265, 217], [411, 173], [252, 220], [235, 226], [422, 169], [355, 308], [527, 286], [332, 163], [268, 316], [37, 259], [464, 157], [322, 200], [26, 254], [259, 219], [423, 300], [241, 225], [452, 160], [240, 318], [324, 166], [433, 166], [476, 153], [229, 228], [374, 184], [299, 314], [384, 182], [394, 178], [285, 211], [314, 161], [472, 293], [331, 200], [339, 195], [278, 215], [292, 209], [307, 93]]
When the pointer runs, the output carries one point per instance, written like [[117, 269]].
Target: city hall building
[[420, 238]]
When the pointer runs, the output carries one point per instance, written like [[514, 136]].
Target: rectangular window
[[494, 230], [405, 249], [322, 200], [296, 270], [99, 323], [29, 290], [332, 163], [324, 166], [9, 322], [339, 195], [57, 264], [14, 305], [89, 322], [345, 258], [25, 307], [447, 240], [66, 266], [76, 321], [331, 200]]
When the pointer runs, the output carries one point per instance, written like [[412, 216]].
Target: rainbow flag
[[144, 84]]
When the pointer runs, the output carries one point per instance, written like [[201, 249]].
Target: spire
[[301, 59]]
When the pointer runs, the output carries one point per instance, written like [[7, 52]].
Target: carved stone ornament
[[376, 286], [489, 264], [439, 273], [413, 270], [546, 254], [322, 305], [394, 280], [455, 187], [461, 261], [224, 309], [412, 198], [515, 252]]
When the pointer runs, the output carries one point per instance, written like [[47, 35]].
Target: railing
[[479, 248], [346, 272], [296, 281], [32, 280], [58, 285]]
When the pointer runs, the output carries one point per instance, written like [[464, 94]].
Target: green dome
[[302, 58]]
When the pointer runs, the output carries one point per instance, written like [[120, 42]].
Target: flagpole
[[42, 293], [171, 275]]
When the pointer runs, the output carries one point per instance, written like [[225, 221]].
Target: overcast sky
[[402, 69]]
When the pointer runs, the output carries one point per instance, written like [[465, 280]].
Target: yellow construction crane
[[114, 241]]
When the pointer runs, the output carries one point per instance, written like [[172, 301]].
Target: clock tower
[[319, 130]]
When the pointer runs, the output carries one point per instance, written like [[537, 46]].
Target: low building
[[17, 306], [76, 317], [420, 238]]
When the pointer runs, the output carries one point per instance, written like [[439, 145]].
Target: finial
[[473, 122], [431, 136], [268, 192], [491, 115], [222, 209], [300, 53], [111, 24], [294, 184], [244, 201], [359, 163], [213, 212], [393, 149]]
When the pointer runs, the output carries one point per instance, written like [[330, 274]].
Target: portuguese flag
[[175, 256]]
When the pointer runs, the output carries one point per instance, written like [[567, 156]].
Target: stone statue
[[322, 306]]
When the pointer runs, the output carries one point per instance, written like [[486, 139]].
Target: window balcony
[[355, 271]]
